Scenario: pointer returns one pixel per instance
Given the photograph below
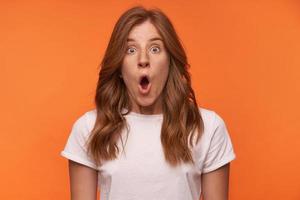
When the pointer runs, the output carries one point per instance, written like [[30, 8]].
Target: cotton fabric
[[140, 171]]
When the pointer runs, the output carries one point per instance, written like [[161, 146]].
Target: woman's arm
[[215, 184], [83, 181]]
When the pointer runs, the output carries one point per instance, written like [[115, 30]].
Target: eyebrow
[[150, 40]]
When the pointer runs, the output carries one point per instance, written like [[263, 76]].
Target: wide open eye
[[155, 49], [130, 50]]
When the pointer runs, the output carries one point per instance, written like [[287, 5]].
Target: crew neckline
[[144, 116]]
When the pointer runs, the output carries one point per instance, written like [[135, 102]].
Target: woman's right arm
[[83, 181]]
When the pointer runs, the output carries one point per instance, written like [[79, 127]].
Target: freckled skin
[[145, 57]]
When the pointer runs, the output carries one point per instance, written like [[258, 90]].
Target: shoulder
[[85, 121], [211, 121], [216, 148], [206, 113], [210, 117], [91, 115]]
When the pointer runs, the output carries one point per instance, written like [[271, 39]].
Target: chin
[[145, 102]]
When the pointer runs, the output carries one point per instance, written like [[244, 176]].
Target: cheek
[[128, 75], [162, 69], [127, 70]]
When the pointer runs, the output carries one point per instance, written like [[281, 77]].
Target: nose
[[143, 60]]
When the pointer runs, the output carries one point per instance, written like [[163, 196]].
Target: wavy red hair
[[181, 116]]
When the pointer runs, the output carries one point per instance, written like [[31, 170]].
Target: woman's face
[[146, 57]]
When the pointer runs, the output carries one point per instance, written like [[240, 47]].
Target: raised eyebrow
[[150, 40]]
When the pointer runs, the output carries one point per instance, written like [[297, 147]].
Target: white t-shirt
[[142, 172]]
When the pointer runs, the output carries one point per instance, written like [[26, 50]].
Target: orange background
[[244, 56]]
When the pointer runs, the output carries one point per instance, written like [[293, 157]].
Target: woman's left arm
[[215, 184]]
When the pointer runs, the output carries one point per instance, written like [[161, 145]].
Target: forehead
[[144, 32]]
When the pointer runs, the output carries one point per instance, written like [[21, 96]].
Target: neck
[[155, 108]]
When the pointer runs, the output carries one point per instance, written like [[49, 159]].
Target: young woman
[[147, 139]]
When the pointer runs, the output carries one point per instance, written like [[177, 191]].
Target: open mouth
[[144, 82]]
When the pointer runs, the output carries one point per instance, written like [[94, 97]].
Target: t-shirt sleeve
[[220, 150], [76, 148]]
